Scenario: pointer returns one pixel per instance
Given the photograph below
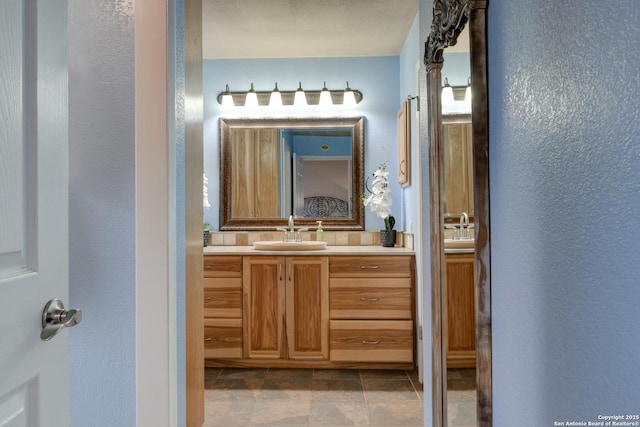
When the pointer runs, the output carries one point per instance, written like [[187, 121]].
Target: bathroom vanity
[[341, 307]]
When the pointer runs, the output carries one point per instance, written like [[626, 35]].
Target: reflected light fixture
[[227, 99], [325, 97], [467, 92], [447, 93], [300, 99], [275, 100], [349, 97], [251, 100]]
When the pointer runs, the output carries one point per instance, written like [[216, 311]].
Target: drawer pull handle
[[208, 267], [207, 298], [376, 342], [369, 267], [207, 339], [370, 299]]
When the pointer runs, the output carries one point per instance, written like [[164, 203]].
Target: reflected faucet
[[291, 223], [464, 220], [463, 230]]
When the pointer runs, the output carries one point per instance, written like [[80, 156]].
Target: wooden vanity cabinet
[[460, 308], [255, 172], [286, 307], [222, 307], [371, 309], [309, 311]]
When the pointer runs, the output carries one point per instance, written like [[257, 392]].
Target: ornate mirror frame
[[354, 124], [449, 18]]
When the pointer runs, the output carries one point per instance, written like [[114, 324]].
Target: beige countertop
[[459, 250], [330, 250]]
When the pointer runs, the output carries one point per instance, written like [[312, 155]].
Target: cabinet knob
[[207, 339]]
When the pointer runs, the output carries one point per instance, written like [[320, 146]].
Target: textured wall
[[564, 92], [101, 212]]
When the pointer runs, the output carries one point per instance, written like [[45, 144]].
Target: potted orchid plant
[[206, 205], [379, 201]]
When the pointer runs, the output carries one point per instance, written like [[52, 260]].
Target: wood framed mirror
[[449, 18], [311, 168]]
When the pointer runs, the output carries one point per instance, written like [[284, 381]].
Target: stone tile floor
[[237, 397], [461, 398]]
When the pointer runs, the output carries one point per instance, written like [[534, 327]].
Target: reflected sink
[[289, 246], [459, 244]]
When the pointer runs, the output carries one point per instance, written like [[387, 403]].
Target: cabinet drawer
[[371, 341], [370, 266], [370, 298], [222, 266], [222, 297], [223, 338]]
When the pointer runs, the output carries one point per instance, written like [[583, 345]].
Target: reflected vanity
[[310, 168]]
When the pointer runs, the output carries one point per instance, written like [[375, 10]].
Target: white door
[[34, 374]]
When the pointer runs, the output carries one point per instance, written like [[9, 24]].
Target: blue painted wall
[[376, 77], [564, 95], [409, 60]]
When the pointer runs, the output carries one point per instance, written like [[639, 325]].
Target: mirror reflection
[[308, 168]]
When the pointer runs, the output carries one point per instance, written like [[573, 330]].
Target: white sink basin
[[459, 244], [290, 246]]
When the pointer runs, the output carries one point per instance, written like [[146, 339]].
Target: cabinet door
[[242, 179], [267, 171], [264, 304], [458, 169], [461, 323], [307, 296]]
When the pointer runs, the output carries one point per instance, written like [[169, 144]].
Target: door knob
[[55, 318]]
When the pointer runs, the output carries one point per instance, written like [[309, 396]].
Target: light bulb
[[325, 97], [300, 99], [275, 101], [349, 97], [467, 92], [251, 101], [447, 93], [227, 99]]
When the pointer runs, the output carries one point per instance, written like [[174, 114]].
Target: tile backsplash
[[333, 238]]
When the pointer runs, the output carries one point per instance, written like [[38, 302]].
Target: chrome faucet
[[464, 220], [463, 230], [290, 233]]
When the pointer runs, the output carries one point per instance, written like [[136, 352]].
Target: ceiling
[[305, 28]]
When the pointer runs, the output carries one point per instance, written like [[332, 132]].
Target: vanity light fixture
[[325, 97], [251, 100], [447, 93], [275, 100], [300, 97]]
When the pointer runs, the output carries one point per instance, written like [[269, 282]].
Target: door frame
[[164, 108]]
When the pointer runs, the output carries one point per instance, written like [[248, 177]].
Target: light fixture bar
[[313, 97]]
